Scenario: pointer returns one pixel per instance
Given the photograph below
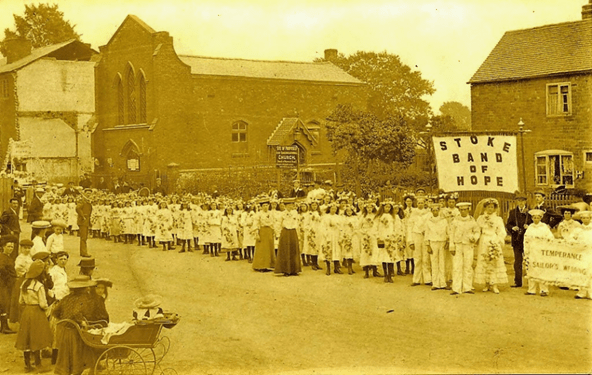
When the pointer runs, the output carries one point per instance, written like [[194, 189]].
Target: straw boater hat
[[540, 192], [149, 301], [536, 212], [35, 269], [41, 224], [40, 190], [583, 214], [460, 205], [81, 281]]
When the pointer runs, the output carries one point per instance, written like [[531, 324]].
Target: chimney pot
[[330, 54], [587, 11], [16, 49]]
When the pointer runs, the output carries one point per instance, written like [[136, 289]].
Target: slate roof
[[262, 69], [36, 54], [285, 128], [540, 51]]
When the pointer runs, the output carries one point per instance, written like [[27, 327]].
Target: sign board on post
[[20, 149], [286, 157], [477, 162]]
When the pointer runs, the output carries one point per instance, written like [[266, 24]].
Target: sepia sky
[[446, 40]]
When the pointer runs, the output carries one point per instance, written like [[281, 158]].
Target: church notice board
[[286, 157], [476, 162]]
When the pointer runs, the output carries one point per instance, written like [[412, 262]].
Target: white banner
[[477, 162], [20, 149], [558, 262]]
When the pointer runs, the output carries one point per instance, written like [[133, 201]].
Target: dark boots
[[206, 249], [366, 271], [391, 271], [304, 262], [399, 272], [315, 262], [385, 270], [375, 272], [328, 267], [4, 328], [189, 246], [182, 248], [27, 358], [350, 269], [336, 267]]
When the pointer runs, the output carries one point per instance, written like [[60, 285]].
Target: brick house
[[46, 108], [158, 111], [543, 76]]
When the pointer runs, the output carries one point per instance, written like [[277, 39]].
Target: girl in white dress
[[311, 224], [348, 240], [250, 231], [229, 230], [185, 226], [164, 226], [331, 250]]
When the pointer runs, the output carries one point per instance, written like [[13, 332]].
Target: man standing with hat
[[297, 191], [10, 223], [550, 217], [84, 210], [35, 209], [518, 221]]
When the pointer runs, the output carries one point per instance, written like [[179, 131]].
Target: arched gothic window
[[131, 96], [142, 98], [120, 100]]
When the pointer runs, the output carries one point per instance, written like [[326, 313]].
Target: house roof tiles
[[540, 51]]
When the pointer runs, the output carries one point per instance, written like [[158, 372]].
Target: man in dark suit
[[159, 188], [297, 191], [550, 217], [35, 210], [86, 182], [84, 209], [518, 220], [11, 225]]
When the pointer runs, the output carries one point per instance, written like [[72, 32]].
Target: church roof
[[36, 54], [540, 51], [286, 128], [262, 69]]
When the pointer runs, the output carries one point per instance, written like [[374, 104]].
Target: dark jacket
[[518, 219], [551, 218], [7, 279], [70, 191], [35, 210], [297, 193], [83, 209], [10, 222]]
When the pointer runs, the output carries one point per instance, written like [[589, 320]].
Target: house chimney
[[16, 49], [587, 11], [330, 54]]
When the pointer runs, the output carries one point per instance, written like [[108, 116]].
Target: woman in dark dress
[[80, 306], [288, 257], [7, 280], [264, 257]]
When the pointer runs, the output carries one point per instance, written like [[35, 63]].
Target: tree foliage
[[366, 137], [460, 114], [42, 24], [395, 89]]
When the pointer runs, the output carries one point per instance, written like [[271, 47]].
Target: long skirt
[[15, 307], [264, 258], [34, 333], [288, 258], [73, 354]]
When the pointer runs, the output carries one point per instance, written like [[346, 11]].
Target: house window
[[142, 99], [559, 99], [239, 131], [588, 157], [554, 168], [4, 88], [131, 96]]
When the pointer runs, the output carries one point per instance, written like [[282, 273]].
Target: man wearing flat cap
[[518, 221], [35, 209]]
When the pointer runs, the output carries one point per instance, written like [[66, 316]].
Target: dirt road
[[237, 321]]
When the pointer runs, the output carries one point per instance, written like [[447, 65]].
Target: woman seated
[[80, 306]]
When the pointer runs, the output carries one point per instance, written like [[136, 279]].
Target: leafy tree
[[443, 123], [42, 24], [363, 138], [461, 114], [395, 89]]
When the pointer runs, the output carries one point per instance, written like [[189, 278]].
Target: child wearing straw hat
[[55, 242], [34, 334], [537, 229]]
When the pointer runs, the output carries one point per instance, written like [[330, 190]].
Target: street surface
[[237, 321]]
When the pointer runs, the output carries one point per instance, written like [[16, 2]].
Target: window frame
[[558, 110], [584, 155], [550, 179], [241, 133]]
